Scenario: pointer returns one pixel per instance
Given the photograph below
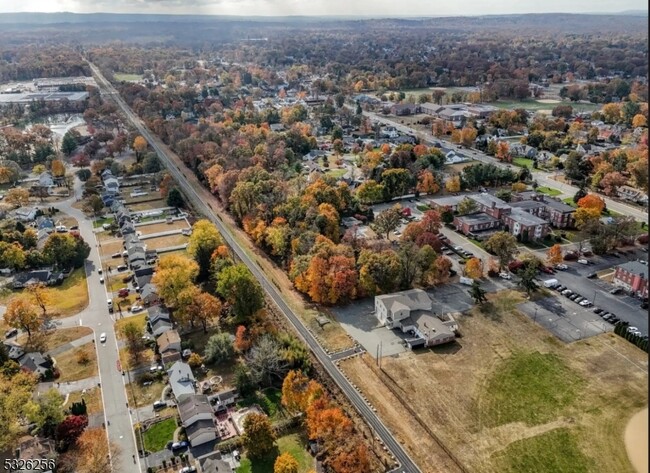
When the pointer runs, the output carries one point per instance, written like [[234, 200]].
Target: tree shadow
[[490, 311]]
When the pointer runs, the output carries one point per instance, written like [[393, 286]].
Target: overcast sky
[[324, 7]]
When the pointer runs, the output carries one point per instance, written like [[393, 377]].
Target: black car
[[614, 320], [592, 275], [573, 297], [122, 267], [560, 288], [598, 310]]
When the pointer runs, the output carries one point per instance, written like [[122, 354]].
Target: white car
[[102, 338], [632, 329], [585, 303], [583, 261], [562, 267], [505, 276], [136, 308]]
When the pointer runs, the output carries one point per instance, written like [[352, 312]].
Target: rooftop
[[635, 267], [524, 218], [488, 200], [194, 405], [477, 218]]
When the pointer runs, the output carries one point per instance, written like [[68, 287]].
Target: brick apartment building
[[633, 277], [477, 225]]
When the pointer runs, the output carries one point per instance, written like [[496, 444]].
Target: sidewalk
[[73, 344], [70, 386]]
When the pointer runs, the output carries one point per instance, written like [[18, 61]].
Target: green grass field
[[533, 388], [269, 400], [127, 77], [523, 162], [157, 436], [292, 443], [337, 173], [536, 105], [556, 451], [548, 191]]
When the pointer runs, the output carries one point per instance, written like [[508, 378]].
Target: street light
[[535, 316]]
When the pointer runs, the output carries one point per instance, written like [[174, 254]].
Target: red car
[[547, 270], [124, 292]]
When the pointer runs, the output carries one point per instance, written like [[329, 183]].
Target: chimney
[[494, 204]]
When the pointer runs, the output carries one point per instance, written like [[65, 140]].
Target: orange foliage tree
[[554, 255], [474, 268], [592, 201]]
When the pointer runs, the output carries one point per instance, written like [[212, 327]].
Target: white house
[[412, 312], [25, 214], [181, 380], [45, 179]]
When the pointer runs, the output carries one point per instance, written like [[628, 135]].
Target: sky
[[324, 7]]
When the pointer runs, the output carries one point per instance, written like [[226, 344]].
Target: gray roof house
[[181, 380], [412, 312], [36, 363], [45, 179], [197, 417]]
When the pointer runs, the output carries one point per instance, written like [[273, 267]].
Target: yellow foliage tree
[[639, 121], [453, 184], [554, 255], [285, 463], [474, 268]]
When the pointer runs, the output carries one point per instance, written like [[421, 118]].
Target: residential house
[[14, 351], [44, 223], [25, 214], [112, 185], [169, 346], [159, 320], [197, 417], [525, 151], [412, 312], [477, 225], [181, 380], [45, 179], [223, 399], [632, 194], [633, 277], [431, 108], [149, 294], [212, 463], [519, 222], [35, 362], [45, 276], [142, 276]]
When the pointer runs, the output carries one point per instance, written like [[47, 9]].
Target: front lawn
[[93, 398], [140, 320], [58, 337], [294, 443], [70, 367], [548, 191], [523, 162], [157, 436], [145, 395]]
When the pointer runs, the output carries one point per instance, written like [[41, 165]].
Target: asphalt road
[[543, 178], [96, 317], [201, 199]]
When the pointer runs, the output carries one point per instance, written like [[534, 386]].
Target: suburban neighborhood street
[[96, 317], [201, 199]]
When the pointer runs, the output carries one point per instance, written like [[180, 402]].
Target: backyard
[[523, 162], [294, 443], [93, 398], [548, 191], [72, 367], [156, 437], [508, 396]]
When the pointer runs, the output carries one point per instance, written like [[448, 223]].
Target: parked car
[[187, 469], [12, 332], [579, 299], [591, 276], [632, 329], [179, 445], [616, 290], [546, 269], [562, 267], [124, 292], [505, 276], [136, 308], [583, 261], [567, 292], [614, 319], [585, 303], [573, 297], [598, 310], [155, 368], [560, 288], [101, 280], [159, 405], [116, 255], [122, 267]]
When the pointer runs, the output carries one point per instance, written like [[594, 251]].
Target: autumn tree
[[438, 273], [93, 452], [639, 120], [16, 390], [370, 192], [503, 151], [298, 391], [259, 437], [132, 334], [205, 308], [453, 184], [18, 197], [504, 246], [592, 201], [328, 424], [554, 255], [57, 168], [468, 136], [12, 255], [587, 219], [40, 295], [518, 187], [46, 411], [467, 206], [427, 183], [60, 249], [242, 340], [68, 431], [396, 182], [204, 240], [174, 274], [285, 463], [241, 290], [139, 146], [23, 315], [474, 268], [351, 459], [388, 220], [378, 271]]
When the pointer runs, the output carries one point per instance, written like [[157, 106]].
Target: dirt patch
[[446, 389], [161, 227], [166, 241], [636, 441], [151, 205]]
